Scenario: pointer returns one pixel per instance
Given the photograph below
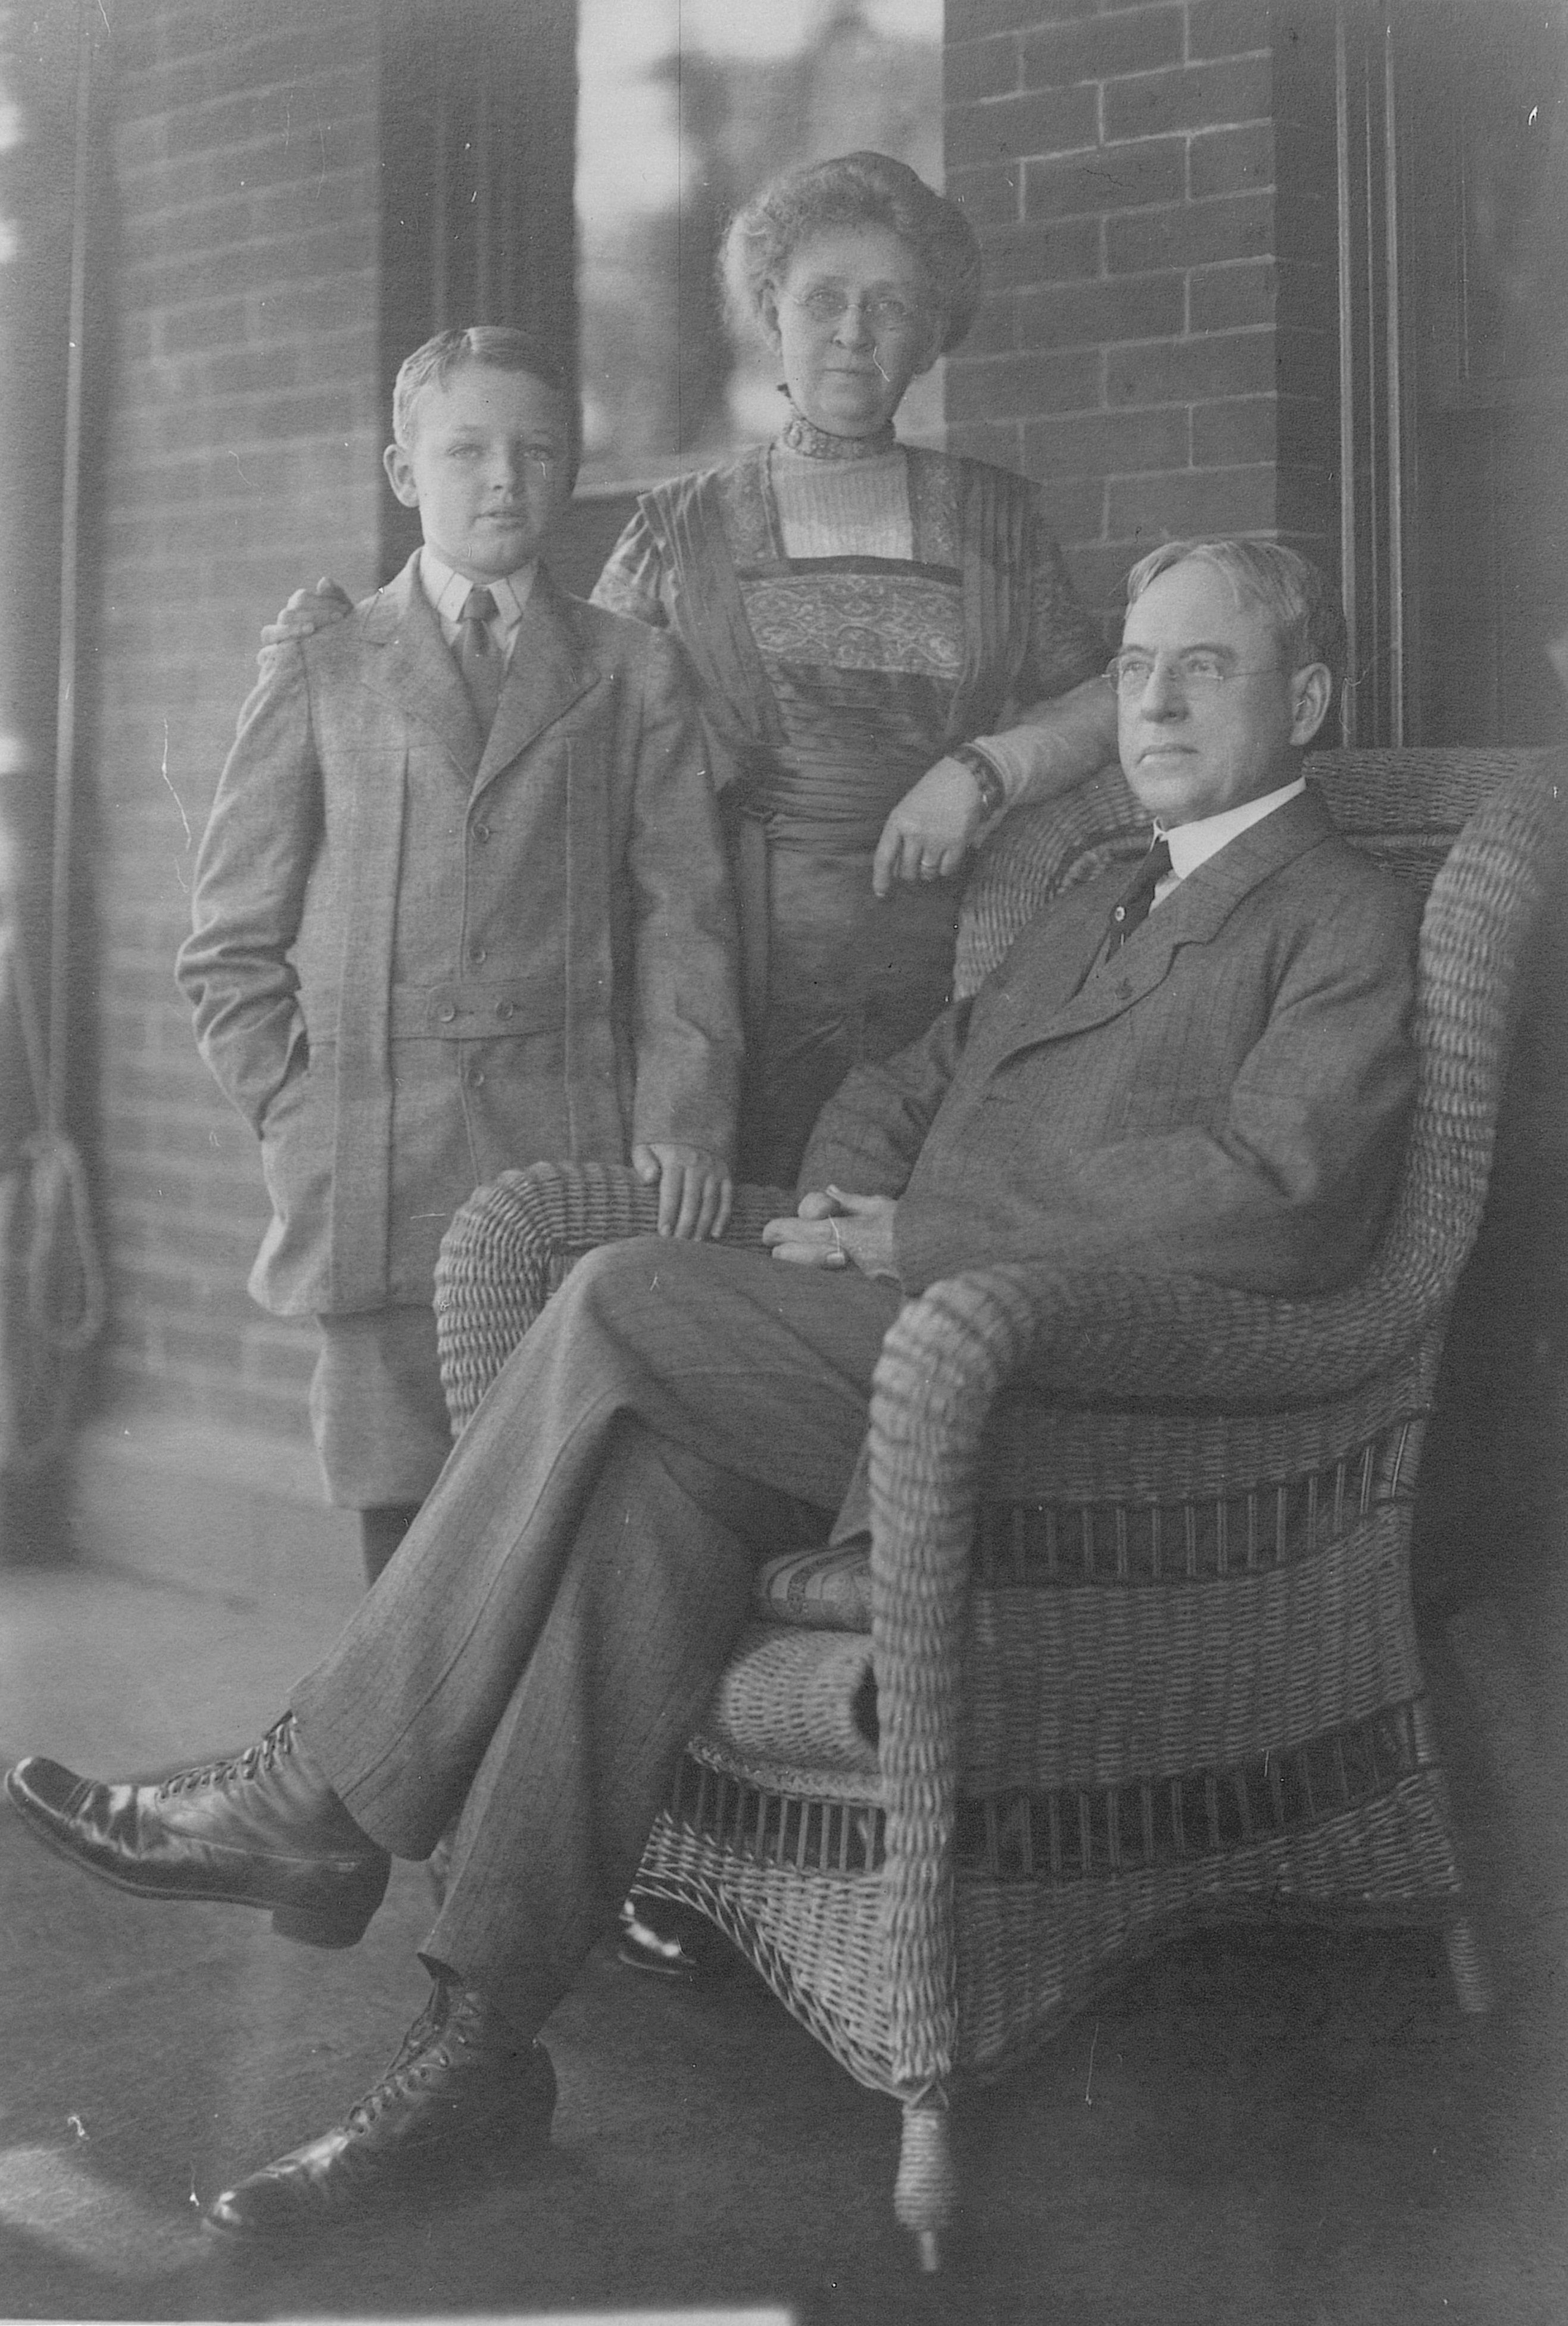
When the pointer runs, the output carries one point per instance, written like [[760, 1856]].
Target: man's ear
[[768, 315], [1311, 693], [400, 475]]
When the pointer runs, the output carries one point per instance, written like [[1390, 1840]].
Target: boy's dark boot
[[466, 2096], [266, 1830]]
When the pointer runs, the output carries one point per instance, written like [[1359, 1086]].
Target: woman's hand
[[831, 1229], [308, 611], [694, 1188], [931, 830]]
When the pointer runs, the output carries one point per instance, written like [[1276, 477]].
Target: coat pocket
[[296, 1154]]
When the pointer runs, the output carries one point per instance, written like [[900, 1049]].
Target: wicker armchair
[[1139, 1608]]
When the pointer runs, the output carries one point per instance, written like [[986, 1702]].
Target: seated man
[[1207, 1070]]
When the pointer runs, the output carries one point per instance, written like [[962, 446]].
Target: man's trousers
[[550, 1632]]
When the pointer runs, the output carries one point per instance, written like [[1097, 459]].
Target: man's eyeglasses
[[885, 314], [1197, 673]]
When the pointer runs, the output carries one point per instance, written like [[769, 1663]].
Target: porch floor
[[1257, 2128]]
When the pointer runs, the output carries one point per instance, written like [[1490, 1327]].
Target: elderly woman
[[854, 609]]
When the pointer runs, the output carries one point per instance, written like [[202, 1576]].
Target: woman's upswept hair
[[851, 190], [1296, 595], [496, 346]]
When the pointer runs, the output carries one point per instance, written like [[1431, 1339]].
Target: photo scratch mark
[[1088, 2087], [77, 2125], [168, 779]]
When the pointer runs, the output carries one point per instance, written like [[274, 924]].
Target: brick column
[[242, 457], [1153, 185]]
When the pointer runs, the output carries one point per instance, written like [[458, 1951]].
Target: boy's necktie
[[483, 664], [1135, 903]]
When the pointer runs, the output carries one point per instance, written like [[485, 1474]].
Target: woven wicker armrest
[[513, 1241], [1108, 1335], [1099, 1333]]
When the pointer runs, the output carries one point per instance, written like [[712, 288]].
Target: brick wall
[[1153, 345], [1153, 186], [242, 456]]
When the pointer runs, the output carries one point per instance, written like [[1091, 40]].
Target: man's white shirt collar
[[448, 592], [1191, 844]]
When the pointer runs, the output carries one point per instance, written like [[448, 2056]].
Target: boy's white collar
[[448, 589]]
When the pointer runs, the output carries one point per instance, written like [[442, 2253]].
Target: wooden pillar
[[38, 88]]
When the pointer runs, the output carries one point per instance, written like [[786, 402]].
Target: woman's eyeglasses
[[885, 313]]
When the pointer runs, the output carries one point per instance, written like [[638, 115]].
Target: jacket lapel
[[546, 675], [1194, 914], [412, 664]]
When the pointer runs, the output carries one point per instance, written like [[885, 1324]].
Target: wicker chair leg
[[1471, 1986], [926, 2194]]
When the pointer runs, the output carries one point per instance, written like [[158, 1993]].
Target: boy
[[463, 905]]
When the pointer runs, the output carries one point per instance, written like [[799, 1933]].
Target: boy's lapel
[[544, 677], [411, 662]]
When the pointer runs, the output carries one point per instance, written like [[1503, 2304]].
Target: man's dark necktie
[[483, 664], [1135, 902]]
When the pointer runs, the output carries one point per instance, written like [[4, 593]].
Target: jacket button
[[1119, 913], [448, 1014], [481, 831], [506, 1009], [477, 954], [476, 1077]]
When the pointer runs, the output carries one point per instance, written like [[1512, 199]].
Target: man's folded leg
[[760, 1369], [654, 1591], [666, 1417], [653, 1595]]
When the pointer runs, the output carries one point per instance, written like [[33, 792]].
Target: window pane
[[686, 108]]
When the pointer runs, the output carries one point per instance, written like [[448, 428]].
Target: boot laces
[[253, 1762], [432, 2021]]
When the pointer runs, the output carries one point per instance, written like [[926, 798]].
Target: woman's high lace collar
[[801, 435]]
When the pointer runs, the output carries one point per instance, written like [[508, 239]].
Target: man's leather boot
[[266, 1830], [465, 2099]]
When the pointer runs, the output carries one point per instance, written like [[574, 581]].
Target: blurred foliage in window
[[686, 108]]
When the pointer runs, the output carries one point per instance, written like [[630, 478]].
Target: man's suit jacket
[[418, 958], [1228, 1094]]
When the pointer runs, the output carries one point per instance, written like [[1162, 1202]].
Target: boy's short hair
[[499, 347], [1296, 595]]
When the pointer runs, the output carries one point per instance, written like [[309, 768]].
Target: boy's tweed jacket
[[416, 961]]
